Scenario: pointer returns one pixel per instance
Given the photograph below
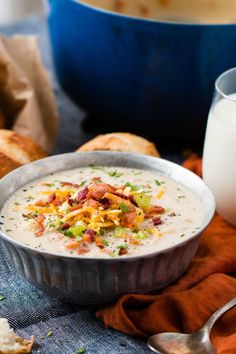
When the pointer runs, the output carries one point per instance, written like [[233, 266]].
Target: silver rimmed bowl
[[93, 281]]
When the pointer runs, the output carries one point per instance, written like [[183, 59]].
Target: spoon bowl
[[178, 343], [195, 343]]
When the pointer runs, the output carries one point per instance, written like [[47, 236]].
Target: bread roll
[[121, 142], [17, 150]]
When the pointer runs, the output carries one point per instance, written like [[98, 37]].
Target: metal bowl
[[150, 74], [97, 281]]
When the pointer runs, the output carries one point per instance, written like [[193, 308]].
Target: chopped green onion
[[49, 334], [115, 174], [122, 246], [133, 187], [2, 297], [150, 231], [118, 231], [68, 233], [105, 242], [137, 173], [81, 350], [97, 167], [158, 183], [115, 253], [143, 200], [124, 208], [141, 235], [75, 231]]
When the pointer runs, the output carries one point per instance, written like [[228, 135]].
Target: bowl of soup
[[146, 65], [92, 226]]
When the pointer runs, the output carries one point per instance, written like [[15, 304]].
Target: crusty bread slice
[[121, 142], [10, 342], [17, 150]]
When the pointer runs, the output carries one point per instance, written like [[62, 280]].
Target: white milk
[[219, 158]]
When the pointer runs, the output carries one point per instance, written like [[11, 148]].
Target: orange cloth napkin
[[186, 305]]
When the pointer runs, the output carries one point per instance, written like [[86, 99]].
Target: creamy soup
[[102, 212], [196, 11]]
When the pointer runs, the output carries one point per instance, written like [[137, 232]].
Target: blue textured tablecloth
[[29, 310]]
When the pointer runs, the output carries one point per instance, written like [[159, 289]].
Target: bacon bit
[[58, 202], [123, 251], [65, 226], [97, 191], [82, 194], [29, 216], [70, 184], [157, 221], [127, 197], [39, 220], [51, 198], [73, 245], [99, 243], [105, 203], [86, 238], [131, 198], [91, 234], [153, 210], [132, 240], [96, 179], [41, 203], [82, 250], [70, 202], [91, 202], [129, 218], [78, 206]]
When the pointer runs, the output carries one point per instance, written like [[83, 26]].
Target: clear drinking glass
[[219, 156]]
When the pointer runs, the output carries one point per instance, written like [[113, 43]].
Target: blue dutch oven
[[145, 75]]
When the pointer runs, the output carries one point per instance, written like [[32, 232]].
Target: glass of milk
[[219, 156]]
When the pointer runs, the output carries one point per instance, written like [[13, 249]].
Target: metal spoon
[[195, 343]]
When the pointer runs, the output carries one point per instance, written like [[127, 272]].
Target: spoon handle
[[209, 324]]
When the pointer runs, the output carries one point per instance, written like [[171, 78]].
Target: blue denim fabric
[[29, 310]]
